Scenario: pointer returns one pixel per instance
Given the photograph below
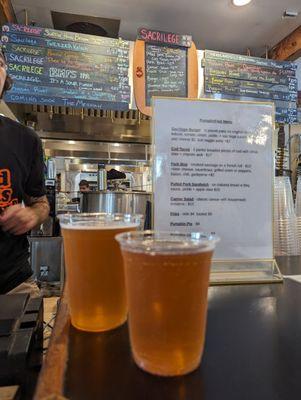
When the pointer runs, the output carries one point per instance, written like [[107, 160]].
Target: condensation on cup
[[167, 278]]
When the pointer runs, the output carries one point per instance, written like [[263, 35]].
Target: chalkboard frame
[[139, 75]]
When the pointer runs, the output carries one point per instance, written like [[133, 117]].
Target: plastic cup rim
[[166, 242], [69, 220]]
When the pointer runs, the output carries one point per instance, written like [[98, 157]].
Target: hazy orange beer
[[167, 277], [94, 269]]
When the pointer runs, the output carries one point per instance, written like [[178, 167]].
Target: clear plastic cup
[[298, 199], [167, 278], [283, 198], [94, 268], [286, 236]]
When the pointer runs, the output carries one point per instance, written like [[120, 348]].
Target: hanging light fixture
[[240, 3]]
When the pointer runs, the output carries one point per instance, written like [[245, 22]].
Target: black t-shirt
[[21, 174]]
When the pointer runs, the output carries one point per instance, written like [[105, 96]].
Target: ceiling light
[[240, 3]]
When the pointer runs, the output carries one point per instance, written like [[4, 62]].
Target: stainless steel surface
[[81, 167], [102, 179], [110, 128], [115, 202], [45, 229], [66, 123], [51, 169], [46, 258], [92, 150], [68, 208], [138, 177]]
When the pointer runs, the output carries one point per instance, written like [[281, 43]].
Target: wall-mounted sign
[[69, 69], [165, 64], [242, 77], [173, 39], [213, 172]]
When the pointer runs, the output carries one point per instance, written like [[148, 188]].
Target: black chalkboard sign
[[60, 68], [249, 88], [166, 71], [235, 70], [251, 78], [165, 64], [259, 62]]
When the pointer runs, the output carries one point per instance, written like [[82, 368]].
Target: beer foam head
[[99, 226], [99, 221]]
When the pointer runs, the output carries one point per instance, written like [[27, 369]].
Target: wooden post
[[289, 48], [7, 13], [51, 378]]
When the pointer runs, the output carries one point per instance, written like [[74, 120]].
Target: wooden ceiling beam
[[7, 13], [289, 48]]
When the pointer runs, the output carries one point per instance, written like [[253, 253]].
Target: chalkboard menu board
[[165, 64], [166, 71], [251, 78], [58, 68]]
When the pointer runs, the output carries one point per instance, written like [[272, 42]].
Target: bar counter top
[[252, 351]]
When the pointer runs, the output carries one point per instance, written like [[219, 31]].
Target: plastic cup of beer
[[167, 279], [94, 269]]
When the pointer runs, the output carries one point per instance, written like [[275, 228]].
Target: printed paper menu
[[213, 172]]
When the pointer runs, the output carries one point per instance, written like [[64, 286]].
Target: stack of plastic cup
[[286, 239], [298, 208]]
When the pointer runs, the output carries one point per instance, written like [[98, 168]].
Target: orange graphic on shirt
[[6, 191]]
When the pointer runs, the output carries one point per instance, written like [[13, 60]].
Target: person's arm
[[40, 206], [19, 220]]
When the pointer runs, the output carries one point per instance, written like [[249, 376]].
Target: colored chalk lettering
[[31, 69], [251, 78], [21, 58], [57, 68], [166, 71], [167, 38]]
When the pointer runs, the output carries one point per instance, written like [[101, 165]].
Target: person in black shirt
[[23, 204]]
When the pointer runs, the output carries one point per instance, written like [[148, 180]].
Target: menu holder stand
[[229, 272], [240, 150]]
